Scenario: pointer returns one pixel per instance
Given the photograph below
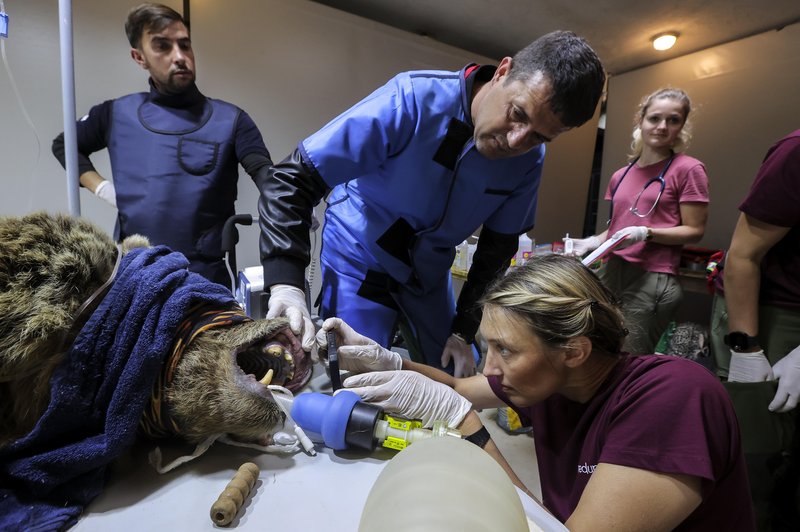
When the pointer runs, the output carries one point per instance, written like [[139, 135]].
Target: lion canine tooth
[[267, 378], [275, 351]]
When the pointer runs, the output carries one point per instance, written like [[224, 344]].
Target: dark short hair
[[148, 16], [573, 69]]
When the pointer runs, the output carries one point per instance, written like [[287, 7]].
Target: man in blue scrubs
[[413, 170], [174, 152]]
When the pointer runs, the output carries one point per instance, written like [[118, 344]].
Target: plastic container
[[524, 250], [509, 421], [470, 253], [461, 260], [569, 246]]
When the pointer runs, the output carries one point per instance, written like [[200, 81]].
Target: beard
[[178, 82]]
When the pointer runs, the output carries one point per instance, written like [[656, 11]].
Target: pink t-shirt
[[685, 181]]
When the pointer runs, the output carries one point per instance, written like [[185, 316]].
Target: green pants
[[649, 302], [771, 442]]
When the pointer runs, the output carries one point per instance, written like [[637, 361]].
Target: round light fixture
[[664, 41]]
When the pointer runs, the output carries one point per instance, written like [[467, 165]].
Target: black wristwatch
[[739, 341]]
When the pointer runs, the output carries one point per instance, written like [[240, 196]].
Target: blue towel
[[98, 393]]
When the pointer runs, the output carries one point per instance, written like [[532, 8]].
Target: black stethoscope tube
[[659, 178]]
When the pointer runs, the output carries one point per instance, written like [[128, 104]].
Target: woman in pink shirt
[[659, 201]]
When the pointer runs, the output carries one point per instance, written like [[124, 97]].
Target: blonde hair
[[667, 93], [560, 298]]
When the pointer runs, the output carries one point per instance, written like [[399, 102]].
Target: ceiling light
[[664, 41]]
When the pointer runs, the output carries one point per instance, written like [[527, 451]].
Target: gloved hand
[[787, 371], [412, 395], [461, 353], [106, 191], [582, 246], [357, 353], [290, 301], [749, 367], [635, 233]]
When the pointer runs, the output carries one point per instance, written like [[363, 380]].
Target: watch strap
[[739, 341], [479, 438]]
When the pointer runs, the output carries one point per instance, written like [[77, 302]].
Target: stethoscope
[[658, 179]]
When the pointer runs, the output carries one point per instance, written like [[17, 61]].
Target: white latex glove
[[412, 395], [787, 371], [461, 353], [106, 191], [582, 246], [749, 367], [357, 353], [290, 301], [636, 233]]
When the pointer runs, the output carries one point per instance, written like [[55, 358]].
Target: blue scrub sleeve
[[359, 140]]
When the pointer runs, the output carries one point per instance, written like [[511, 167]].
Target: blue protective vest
[[175, 173], [409, 184]]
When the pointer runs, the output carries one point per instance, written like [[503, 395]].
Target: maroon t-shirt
[[654, 412], [774, 198]]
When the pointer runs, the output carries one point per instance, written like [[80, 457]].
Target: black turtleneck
[[191, 98]]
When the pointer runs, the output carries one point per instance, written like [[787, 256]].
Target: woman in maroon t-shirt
[[632, 443]]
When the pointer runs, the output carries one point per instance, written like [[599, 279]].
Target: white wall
[[32, 179], [746, 96], [291, 64]]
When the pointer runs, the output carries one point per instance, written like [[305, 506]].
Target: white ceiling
[[619, 30]]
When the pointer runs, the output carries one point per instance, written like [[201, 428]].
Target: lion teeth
[[275, 351], [267, 378]]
